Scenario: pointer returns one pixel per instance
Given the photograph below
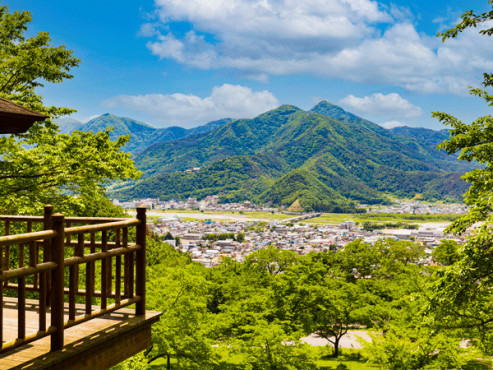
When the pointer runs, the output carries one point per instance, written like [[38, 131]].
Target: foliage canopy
[[42, 166]]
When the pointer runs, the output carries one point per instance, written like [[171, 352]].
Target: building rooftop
[[15, 118]]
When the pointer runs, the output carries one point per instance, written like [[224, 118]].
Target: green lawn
[[349, 365], [234, 363], [327, 218], [337, 218], [348, 360]]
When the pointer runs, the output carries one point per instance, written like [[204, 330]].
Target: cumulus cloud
[[328, 38], [232, 101], [391, 105]]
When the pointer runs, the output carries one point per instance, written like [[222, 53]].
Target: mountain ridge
[[288, 153], [142, 134]]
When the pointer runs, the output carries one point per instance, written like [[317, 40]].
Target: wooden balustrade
[[64, 248]]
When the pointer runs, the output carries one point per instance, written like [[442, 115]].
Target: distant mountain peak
[[142, 134], [284, 109], [324, 103], [328, 109], [287, 107], [340, 114]]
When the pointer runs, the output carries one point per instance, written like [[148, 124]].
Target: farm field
[[324, 218]]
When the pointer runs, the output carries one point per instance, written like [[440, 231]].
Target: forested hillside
[[241, 315], [141, 134], [327, 158]]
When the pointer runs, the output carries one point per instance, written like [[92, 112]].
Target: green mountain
[[142, 134], [327, 163], [67, 124], [424, 135], [335, 112]]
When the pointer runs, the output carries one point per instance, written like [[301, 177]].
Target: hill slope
[[142, 134], [288, 154]]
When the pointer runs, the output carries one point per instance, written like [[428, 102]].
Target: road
[[349, 340]]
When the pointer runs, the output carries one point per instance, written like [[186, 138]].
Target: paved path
[[301, 217], [349, 340]]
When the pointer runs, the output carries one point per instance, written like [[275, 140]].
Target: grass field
[[229, 360], [325, 218], [350, 359], [337, 218]]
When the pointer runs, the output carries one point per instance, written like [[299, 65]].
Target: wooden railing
[[63, 248]]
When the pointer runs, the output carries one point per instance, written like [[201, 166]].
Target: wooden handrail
[[80, 292], [101, 227], [100, 255], [71, 219], [21, 218], [28, 237], [88, 244], [76, 220], [101, 312], [30, 338], [26, 271], [48, 276]]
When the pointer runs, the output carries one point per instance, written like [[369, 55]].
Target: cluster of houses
[[209, 203], [421, 208], [250, 236]]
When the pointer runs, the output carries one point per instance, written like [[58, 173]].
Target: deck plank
[[85, 337]]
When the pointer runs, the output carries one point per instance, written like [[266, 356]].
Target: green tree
[[180, 293], [168, 236], [240, 237], [253, 316], [42, 166], [333, 310], [446, 252], [267, 346], [159, 252], [271, 260], [463, 292], [402, 348], [474, 141]]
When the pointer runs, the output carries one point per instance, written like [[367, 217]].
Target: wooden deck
[[61, 265], [97, 344]]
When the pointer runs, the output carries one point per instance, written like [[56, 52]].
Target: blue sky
[[187, 62]]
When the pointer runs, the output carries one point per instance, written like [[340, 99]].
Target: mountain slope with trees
[[327, 163], [142, 134]]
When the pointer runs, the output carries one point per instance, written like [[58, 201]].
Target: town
[[211, 203], [209, 241]]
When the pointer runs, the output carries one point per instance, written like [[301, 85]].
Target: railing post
[[44, 278], [57, 282], [140, 284]]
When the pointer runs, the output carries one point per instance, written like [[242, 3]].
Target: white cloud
[[148, 30], [232, 101], [327, 38], [392, 124], [391, 105]]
